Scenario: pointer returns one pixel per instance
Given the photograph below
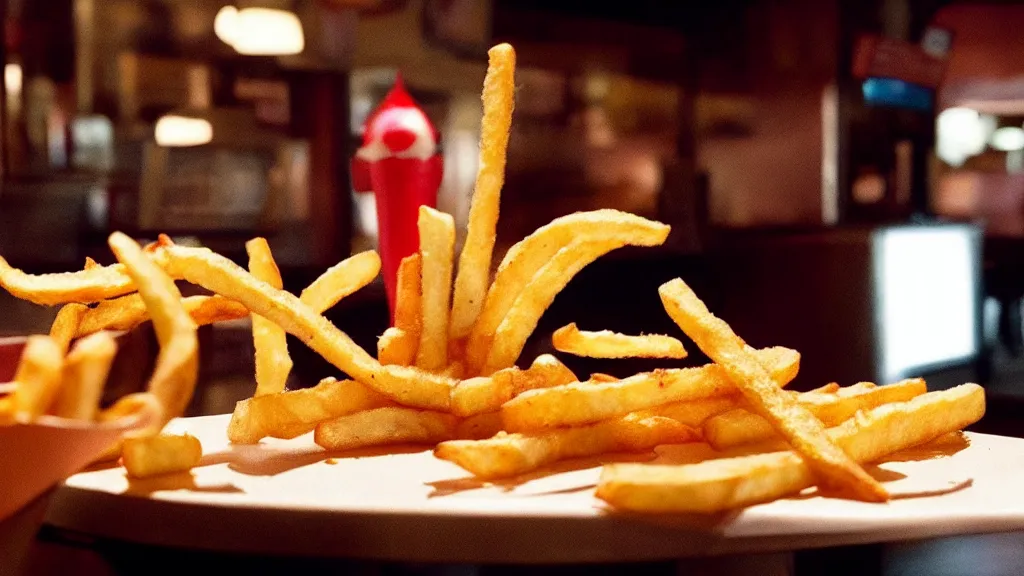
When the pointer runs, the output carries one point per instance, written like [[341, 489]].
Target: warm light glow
[[962, 133], [13, 79], [1008, 139], [178, 131], [260, 31]]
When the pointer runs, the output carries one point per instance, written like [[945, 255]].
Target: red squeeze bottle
[[400, 163]]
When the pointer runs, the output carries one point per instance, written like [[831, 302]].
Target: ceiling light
[[260, 31], [1008, 139], [180, 131]]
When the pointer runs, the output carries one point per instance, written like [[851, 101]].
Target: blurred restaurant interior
[[842, 177]]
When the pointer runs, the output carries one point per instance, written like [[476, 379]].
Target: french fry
[[508, 455], [694, 412], [487, 393], [791, 420], [269, 341], [161, 454], [127, 312], [409, 298], [293, 413], [740, 426], [588, 402], [85, 286], [396, 346], [528, 256], [341, 280], [85, 374], [475, 260], [437, 249], [551, 371], [385, 426], [65, 325], [37, 378], [601, 377], [479, 426], [403, 384], [724, 484], [608, 344]]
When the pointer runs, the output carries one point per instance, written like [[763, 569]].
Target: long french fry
[[508, 455], [341, 280], [608, 344], [273, 363], [724, 484], [475, 260], [85, 374], [437, 249], [37, 378], [385, 426], [791, 420], [487, 393], [92, 285], [694, 412], [589, 402], [127, 312]]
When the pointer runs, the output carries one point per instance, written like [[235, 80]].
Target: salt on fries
[[446, 371]]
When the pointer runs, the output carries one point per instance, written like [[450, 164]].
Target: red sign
[[877, 57]]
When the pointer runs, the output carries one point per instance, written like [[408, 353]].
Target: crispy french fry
[[341, 280], [65, 325], [508, 455], [177, 365], [218, 274], [91, 285], [475, 260], [608, 344], [85, 374], [527, 257], [551, 371], [479, 426], [589, 402], [37, 378], [437, 248], [723, 484], [791, 420], [129, 311], [487, 393], [161, 454], [385, 426], [693, 412], [269, 340], [396, 346], [409, 296], [601, 377], [293, 413], [740, 426]]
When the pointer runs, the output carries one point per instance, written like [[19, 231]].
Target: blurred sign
[[878, 57]]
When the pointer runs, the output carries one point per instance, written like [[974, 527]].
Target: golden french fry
[[475, 260], [485, 394], [145, 407], [830, 388], [791, 420], [91, 285], [85, 374], [385, 426], [479, 426], [740, 426], [589, 402], [341, 280], [437, 248], [396, 346], [602, 377], [404, 384], [269, 340], [293, 413], [723, 484], [161, 454], [65, 325], [508, 455], [608, 344], [37, 378], [531, 254], [177, 365], [693, 412], [409, 296], [129, 311]]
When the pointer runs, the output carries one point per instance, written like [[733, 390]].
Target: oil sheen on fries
[[437, 251], [37, 378], [385, 426], [792, 421], [508, 455], [589, 402], [84, 376], [717, 485], [475, 260], [269, 341], [741, 426], [161, 454], [608, 344], [341, 280]]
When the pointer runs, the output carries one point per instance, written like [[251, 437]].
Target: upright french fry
[[218, 274], [85, 374], [791, 420], [65, 325], [437, 249], [508, 455], [716, 485], [528, 256], [161, 454], [487, 393], [740, 426], [37, 378], [129, 311], [341, 280], [409, 295], [385, 426], [293, 413], [589, 402], [475, 260], [608, 344], [269, 341]]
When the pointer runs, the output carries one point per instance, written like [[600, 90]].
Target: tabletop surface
[[290, 497]]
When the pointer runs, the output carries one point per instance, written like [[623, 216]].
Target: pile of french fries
[[446, 372]]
